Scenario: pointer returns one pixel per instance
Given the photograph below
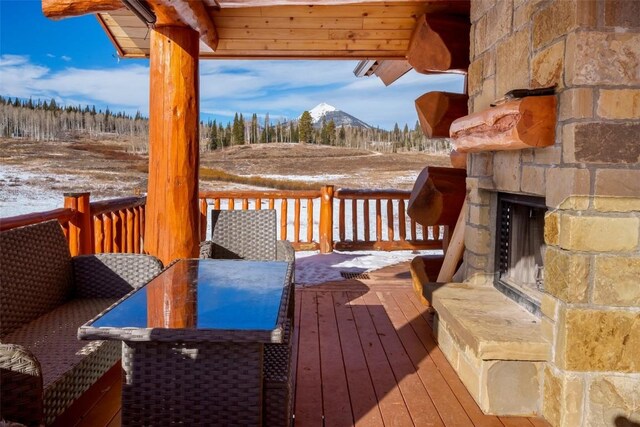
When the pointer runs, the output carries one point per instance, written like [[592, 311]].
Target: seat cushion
[[69, 366]]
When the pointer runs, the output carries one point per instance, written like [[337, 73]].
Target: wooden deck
[[364, 356]]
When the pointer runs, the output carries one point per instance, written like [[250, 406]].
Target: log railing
[[112, 226], [342, 219], [377, 219], [321, 219], [118, 225]]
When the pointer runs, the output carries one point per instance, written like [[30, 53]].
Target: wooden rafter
[[391, 70]]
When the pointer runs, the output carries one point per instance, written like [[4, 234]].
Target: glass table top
[[205, 294]]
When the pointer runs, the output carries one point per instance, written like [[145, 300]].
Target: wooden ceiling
[[342, 30]]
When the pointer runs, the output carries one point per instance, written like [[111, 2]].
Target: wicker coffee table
[[193, 341]]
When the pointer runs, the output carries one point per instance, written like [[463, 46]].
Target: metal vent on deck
[[355, 276]]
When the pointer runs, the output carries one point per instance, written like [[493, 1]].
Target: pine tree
[[331, 132], [305, 128], [213, 136]]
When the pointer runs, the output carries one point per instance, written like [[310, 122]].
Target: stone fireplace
[[575, 361]]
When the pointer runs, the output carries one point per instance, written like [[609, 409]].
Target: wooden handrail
[[63, 215], [253, 194], [346, 193], [112, 205]]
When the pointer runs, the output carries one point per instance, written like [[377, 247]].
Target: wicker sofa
[[45, 296], [253, 235]]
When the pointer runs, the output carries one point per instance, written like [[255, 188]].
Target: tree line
[[47, 121], [252, 131]]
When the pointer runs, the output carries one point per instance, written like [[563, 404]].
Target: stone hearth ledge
[[491, 325], [496, 347]]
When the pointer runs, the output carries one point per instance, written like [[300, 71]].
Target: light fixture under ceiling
[[141, 10]]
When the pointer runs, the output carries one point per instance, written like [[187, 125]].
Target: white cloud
[[65, 58], [280, 88]]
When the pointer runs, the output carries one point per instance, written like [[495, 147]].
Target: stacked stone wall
[[589, 49], [590, 179]]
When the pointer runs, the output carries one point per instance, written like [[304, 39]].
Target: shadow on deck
[[364, 356]]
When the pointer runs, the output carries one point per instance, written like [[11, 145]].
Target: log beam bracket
[[438, 45], [528, 122], [437, 196], [437, 110], [191, 13]]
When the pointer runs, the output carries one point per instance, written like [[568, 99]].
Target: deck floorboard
[[363, 355]]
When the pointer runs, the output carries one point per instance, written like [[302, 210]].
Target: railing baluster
[[425, 233], [367, 232], [130, 231], [204, 210], [341, 220], [390, 232], [309, 220], [216, 204], [142, 217], [108, 233], [378, 221], [354, 218], [245, 204], [296, 222], [136, 230], [232, 204], [272, 203], [98, 235], [283, 219], [258, 204], [413, 230], [122, 230], [402, 220]]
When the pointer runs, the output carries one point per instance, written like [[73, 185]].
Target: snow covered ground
[[313, 268], [24, 192]]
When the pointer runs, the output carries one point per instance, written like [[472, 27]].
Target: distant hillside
[[339, 117]]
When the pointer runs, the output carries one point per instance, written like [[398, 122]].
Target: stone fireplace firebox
[[520, 249]]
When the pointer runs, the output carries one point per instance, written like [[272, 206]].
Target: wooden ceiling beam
[[192, 13], [440, 43], [56, 9]]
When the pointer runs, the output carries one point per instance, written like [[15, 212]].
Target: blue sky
[[73, 61]]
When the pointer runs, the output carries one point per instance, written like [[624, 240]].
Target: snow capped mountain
[[320, 110], [340, 118]]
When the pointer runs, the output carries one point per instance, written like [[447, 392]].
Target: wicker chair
[[253, 235], [46, 295], [246, 235]]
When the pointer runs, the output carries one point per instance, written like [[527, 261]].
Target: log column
[[172, 214]]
